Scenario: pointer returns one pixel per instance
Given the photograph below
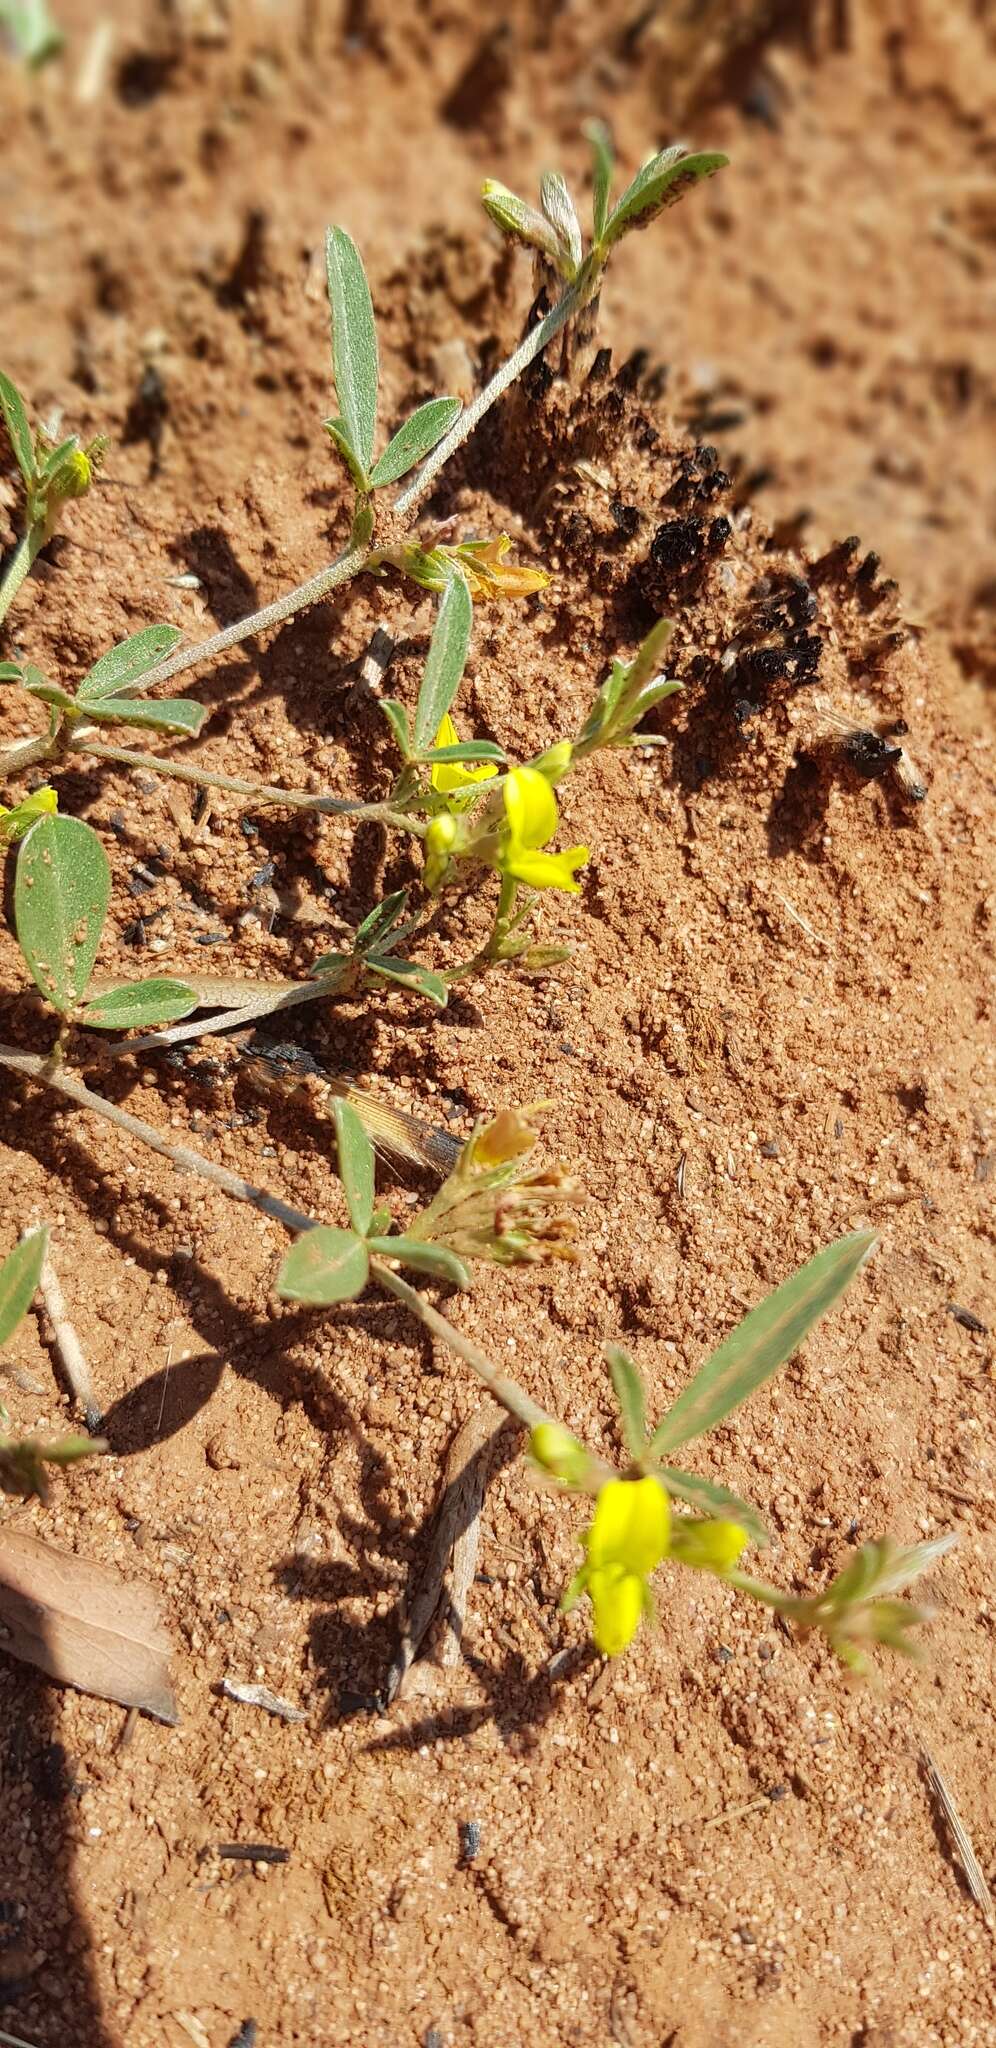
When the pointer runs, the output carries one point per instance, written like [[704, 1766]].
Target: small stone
[[222, 1453]]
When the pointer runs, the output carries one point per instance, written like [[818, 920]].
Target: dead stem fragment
[[974, 1875]]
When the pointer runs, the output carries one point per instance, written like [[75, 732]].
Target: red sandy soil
[[781, 976]]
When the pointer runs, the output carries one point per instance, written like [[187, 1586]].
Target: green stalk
[[19, 565], [535, 342], [261, 792], [510, 1396], [352, 562], [342, 570]]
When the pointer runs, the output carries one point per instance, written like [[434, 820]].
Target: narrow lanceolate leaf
[[435, 1259], [39, 686], [446, 662], [162, 714], [413, 440], [631, 1398], [356, 1165], [354, 342], [465, 750], [61, 892], [524, 223], [397, 718], [15, 420], [409, 974], [379, 921], [19, 1276], [123, 665], [601, 144], [156, 1001], [763, 1341], [338, 434], [324, 1266], [559, 210], [715, 1501], [661, 183]]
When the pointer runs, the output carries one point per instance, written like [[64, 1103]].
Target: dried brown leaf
[[84, 1625]]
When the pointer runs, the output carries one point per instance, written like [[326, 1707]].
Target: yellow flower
[[629, 1535], [489, 575], [531, 819], [559, 1453], [15, 822], [452, 777], [711, 1546]]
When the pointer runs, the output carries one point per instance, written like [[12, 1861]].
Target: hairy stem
[[533, 345], [19, 565], [34, 1068], [25, 754], [504, 1391], [349, 564], [261, 792], [342, 570]]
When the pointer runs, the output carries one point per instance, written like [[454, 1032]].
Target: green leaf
[[601, 144], [631, 1398], [35, 35], [328, 964], [434, 1259], [61, 891], [379, 1222], [15, 420], [11, 672], [55, 460], [338, 435], [763, 1341], [324, 1266], [159, 1000], [379, 921], [19, 1277], [662, 182], [410, 975], [447, 660], [560, 211], [39, 686], [397, 718], [420, 432], [524, 223], [122, 665], [713, 1500], [356, 1165], [163, 714], [465, 750], [354, 342]]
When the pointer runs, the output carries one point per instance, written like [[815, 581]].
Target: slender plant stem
[[504, 1391], [35, 1068], [535, 342], [348, 565], [261, 792], [20, 562], [342, 570], [24, 755]]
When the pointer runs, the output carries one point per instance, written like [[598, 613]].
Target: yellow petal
[[618, 1598], [710, 1546], [559, 1452], [631, 1526], [530, 807], [545, 870]]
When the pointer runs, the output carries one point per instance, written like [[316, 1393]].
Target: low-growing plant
[[472, 812]]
